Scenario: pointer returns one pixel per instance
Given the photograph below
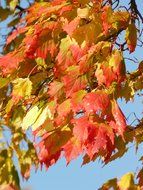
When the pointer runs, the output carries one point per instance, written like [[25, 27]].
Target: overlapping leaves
[[63, 80], [55, 42]]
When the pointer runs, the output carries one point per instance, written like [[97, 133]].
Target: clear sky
[[74, 177]]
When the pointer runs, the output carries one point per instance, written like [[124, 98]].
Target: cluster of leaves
[[61, 76], [126, 182], [8, 9], [18, 145]]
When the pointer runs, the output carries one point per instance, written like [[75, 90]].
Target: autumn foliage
[[61, 75]]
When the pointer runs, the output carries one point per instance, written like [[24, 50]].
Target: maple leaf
[[131, 37], [120, 121], [99, 140], [51, 145], [108, 130], [35, 117], [64, 57], [71, 27], [96, 101], [111, 70], [22, 88], [78, 52], [44, 7], [100, 76], [117, 64], [108, 76], [10, 62], [76, 100], [93, 136], [44, 157], [46, 47], [112, 183], [31, 46], [30, 117], [85, 64], [40, 48], [126, 182], [72, 149], [42, 115], [88, 33], [55, 141], [106, 15], [64, 108], [55, 88], [73, 81], [60, 68], [80, 129]]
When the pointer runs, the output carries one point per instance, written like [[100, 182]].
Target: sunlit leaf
[[131, 37]]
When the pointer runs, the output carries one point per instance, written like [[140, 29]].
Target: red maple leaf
[[76, 100], [71, 26], [10, 62], [96, 101], [106, 13], [46, 158], [55, 88], [73, 81], [78, 52], [80, 129], [120, 122], [72, 149], [109, 75]]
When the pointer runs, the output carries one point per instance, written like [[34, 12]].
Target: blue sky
[[74, 177]]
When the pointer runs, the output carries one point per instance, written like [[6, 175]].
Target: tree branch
[[135, 10]]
